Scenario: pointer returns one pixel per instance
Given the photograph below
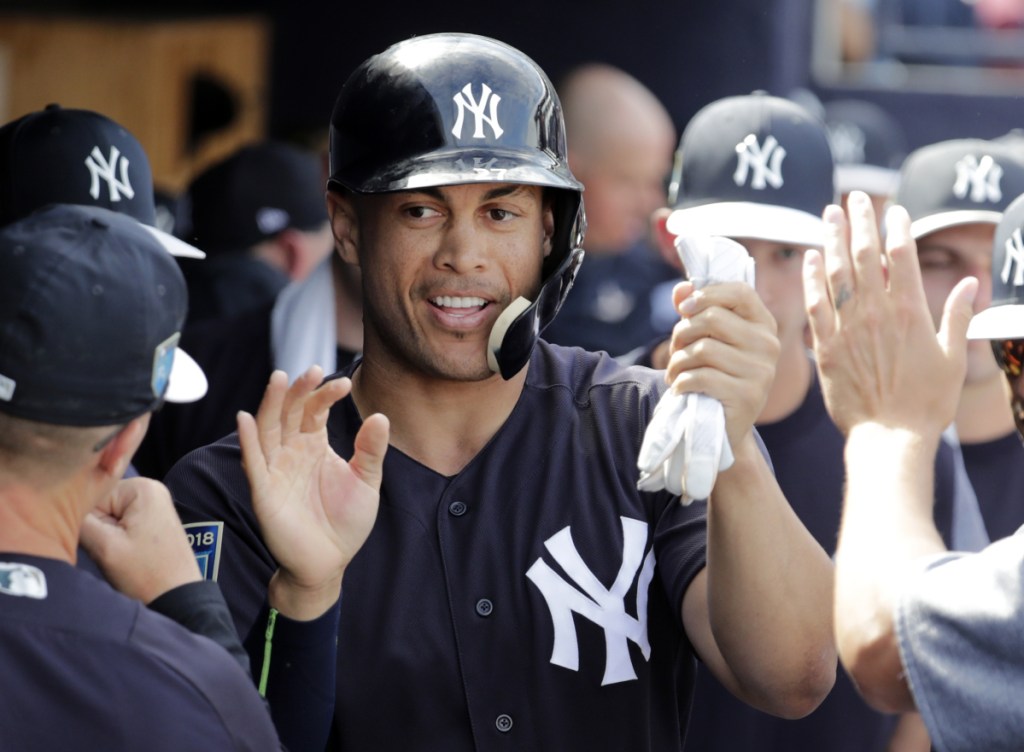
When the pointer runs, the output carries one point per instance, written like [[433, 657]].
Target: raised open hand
[[314, 508], [878, 354]]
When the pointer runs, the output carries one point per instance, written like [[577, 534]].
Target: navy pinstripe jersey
[[530, 602], [86, 668]]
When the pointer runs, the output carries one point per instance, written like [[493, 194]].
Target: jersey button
[[484, 607], [457, 508], [503, 723]]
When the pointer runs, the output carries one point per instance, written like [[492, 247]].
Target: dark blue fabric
[[610, 307], [996, 470], [422, 665], [807, 451], [117, 675]]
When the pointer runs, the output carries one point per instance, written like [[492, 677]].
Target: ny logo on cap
[[465, 101], [847, 141], [980, 177], [763, 163], [1014, 255], [271, 220], [102, 168]]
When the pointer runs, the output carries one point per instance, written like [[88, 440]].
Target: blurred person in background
[[259, 215], [620, 139]]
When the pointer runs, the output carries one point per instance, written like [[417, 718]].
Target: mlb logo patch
[[205, 539], [22, 580]]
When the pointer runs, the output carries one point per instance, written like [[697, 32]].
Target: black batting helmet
[[450, 109]]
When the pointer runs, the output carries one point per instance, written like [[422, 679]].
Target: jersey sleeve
[[211, 493], [293, 663], [960, 626], [200, 608]]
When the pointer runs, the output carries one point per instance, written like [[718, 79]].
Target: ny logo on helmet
[[763, 163], [979, 176], [465, 101], [102, 168], [606, 607], [1014, 256]]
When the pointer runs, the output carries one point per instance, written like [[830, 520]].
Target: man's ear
[[548, 226], [664, 239], [118, 452], [344, 226]]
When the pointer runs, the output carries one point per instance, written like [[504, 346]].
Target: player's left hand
[[725, 346], [315, 509]]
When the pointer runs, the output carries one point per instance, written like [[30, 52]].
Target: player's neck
[[31, 523], [789, 389], [441, 424], [984, 413]]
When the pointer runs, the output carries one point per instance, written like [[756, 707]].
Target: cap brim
[[173, 245], [935, 222], [998, 322], [872, 179], [744, 219], [187, 382]]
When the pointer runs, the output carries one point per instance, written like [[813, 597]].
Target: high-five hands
[[879, 357], [315, 509]]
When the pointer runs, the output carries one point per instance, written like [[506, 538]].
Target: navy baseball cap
[[753, 166], [59, 156], [254, 194], [958, 182], [91, 310], [868, 144], [1004, 318]]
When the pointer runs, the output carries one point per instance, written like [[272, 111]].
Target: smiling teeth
[[446, 301]]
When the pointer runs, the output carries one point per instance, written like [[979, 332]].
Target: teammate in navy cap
[[91, 308], [76, 389], [918, 626], [70, 156], [517, 590], [759, 169], [955, 193]]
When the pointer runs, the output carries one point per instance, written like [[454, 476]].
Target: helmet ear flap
[[518, 328]]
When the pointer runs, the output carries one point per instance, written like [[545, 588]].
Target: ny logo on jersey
[[104, 169], [606, 607], [980, 177], [1014, 255], [763, 163], [465, 101]]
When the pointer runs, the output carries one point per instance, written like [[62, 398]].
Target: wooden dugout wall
[[142, 73]]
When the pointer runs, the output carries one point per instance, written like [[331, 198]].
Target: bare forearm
[[887, 527], [769, 591]]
